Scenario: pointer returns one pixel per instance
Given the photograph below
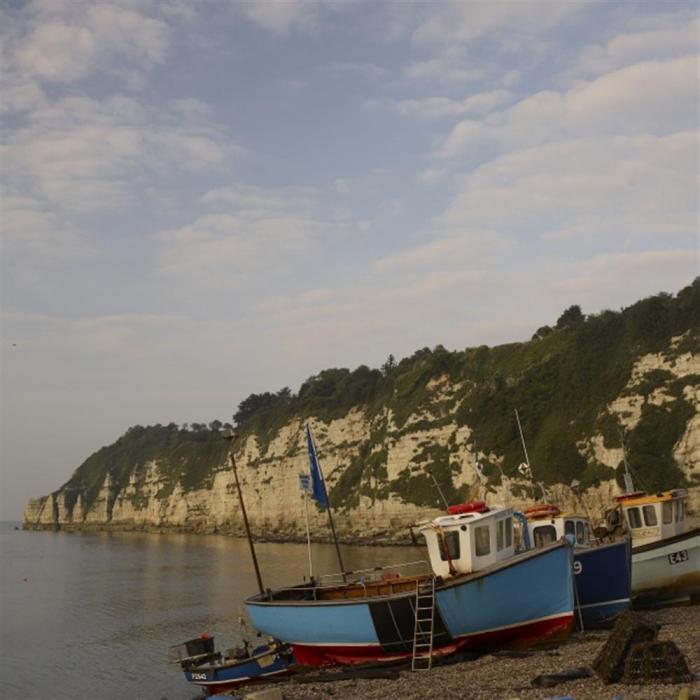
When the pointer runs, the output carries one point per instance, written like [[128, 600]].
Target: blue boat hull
[[264, 663], [514, 603], [525, 600], [603, 580]]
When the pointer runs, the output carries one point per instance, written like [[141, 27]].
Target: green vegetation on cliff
[[187, 456], [561, 382]]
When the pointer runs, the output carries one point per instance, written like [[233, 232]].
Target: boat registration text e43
[[678, 557]]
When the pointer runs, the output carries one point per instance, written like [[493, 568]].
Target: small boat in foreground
[[602, 570], [479, 595], [217, 672], [665, 554]]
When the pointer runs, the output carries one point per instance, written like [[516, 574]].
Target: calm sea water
[[91, 615]]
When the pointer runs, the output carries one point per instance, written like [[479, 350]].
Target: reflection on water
[[94, 612]]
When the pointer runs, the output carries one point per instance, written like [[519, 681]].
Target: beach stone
[[266, 694], [549, 680], [629, 629], [656, 662]]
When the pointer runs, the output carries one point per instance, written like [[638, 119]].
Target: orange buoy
[[542, 510], [469, 507]]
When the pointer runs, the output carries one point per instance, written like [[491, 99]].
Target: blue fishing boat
[[216, 672], [602, 570], [478, 594]]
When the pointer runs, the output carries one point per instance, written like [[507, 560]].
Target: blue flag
[[318, 485]]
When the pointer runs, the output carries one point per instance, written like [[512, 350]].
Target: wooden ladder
[[423, 625]]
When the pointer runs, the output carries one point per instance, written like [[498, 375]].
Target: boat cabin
[[469, 538], [546, 524], [652, 517]]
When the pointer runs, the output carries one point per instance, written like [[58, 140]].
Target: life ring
[[543, 510], [469, 507]]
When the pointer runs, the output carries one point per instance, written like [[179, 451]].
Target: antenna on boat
[[522, 439], [437, 486], [526, 468], [574, 486], [230, 436], [629, 484]]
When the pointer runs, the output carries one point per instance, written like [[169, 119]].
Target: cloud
[[21, 96], [252, 233], [657, 97], [85, 155], [366, 71], [677, 37], [462, 22], [614, 189], [34, 237], [446, 251], [449, 67], [432, 176], [253, 201], [478, 103], [625, 277], [283, 18], [67, 42]]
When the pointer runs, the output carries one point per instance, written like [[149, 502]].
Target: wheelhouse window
[[569, 528], [544, 534], [482, 540], [509, 532], [650, 516], [580, 533], [500, 535], [681, 509], [449, 545], [667, 512], [633, 518]]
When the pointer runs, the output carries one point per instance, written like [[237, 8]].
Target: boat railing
[[388, 575], [375, 574]]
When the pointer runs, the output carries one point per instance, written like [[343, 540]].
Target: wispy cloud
[[67, 42], [656, 97], [85, 155], [478, 103], [251, 230]]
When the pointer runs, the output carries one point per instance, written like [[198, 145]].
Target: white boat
[[665, 551]]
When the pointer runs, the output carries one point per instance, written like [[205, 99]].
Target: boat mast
[[231, 436]]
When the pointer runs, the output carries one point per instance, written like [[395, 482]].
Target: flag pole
[[314, 458], [304, 485], [231, 436]]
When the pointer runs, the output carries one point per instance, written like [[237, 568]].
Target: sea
[[92, 614]]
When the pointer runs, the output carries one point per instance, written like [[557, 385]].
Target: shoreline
[[381, 540]]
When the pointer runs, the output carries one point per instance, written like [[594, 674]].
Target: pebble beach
[[508, 677]]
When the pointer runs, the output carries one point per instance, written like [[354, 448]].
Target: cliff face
[[375, 467]]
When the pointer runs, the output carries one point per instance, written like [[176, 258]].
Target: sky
[[200, 201]]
